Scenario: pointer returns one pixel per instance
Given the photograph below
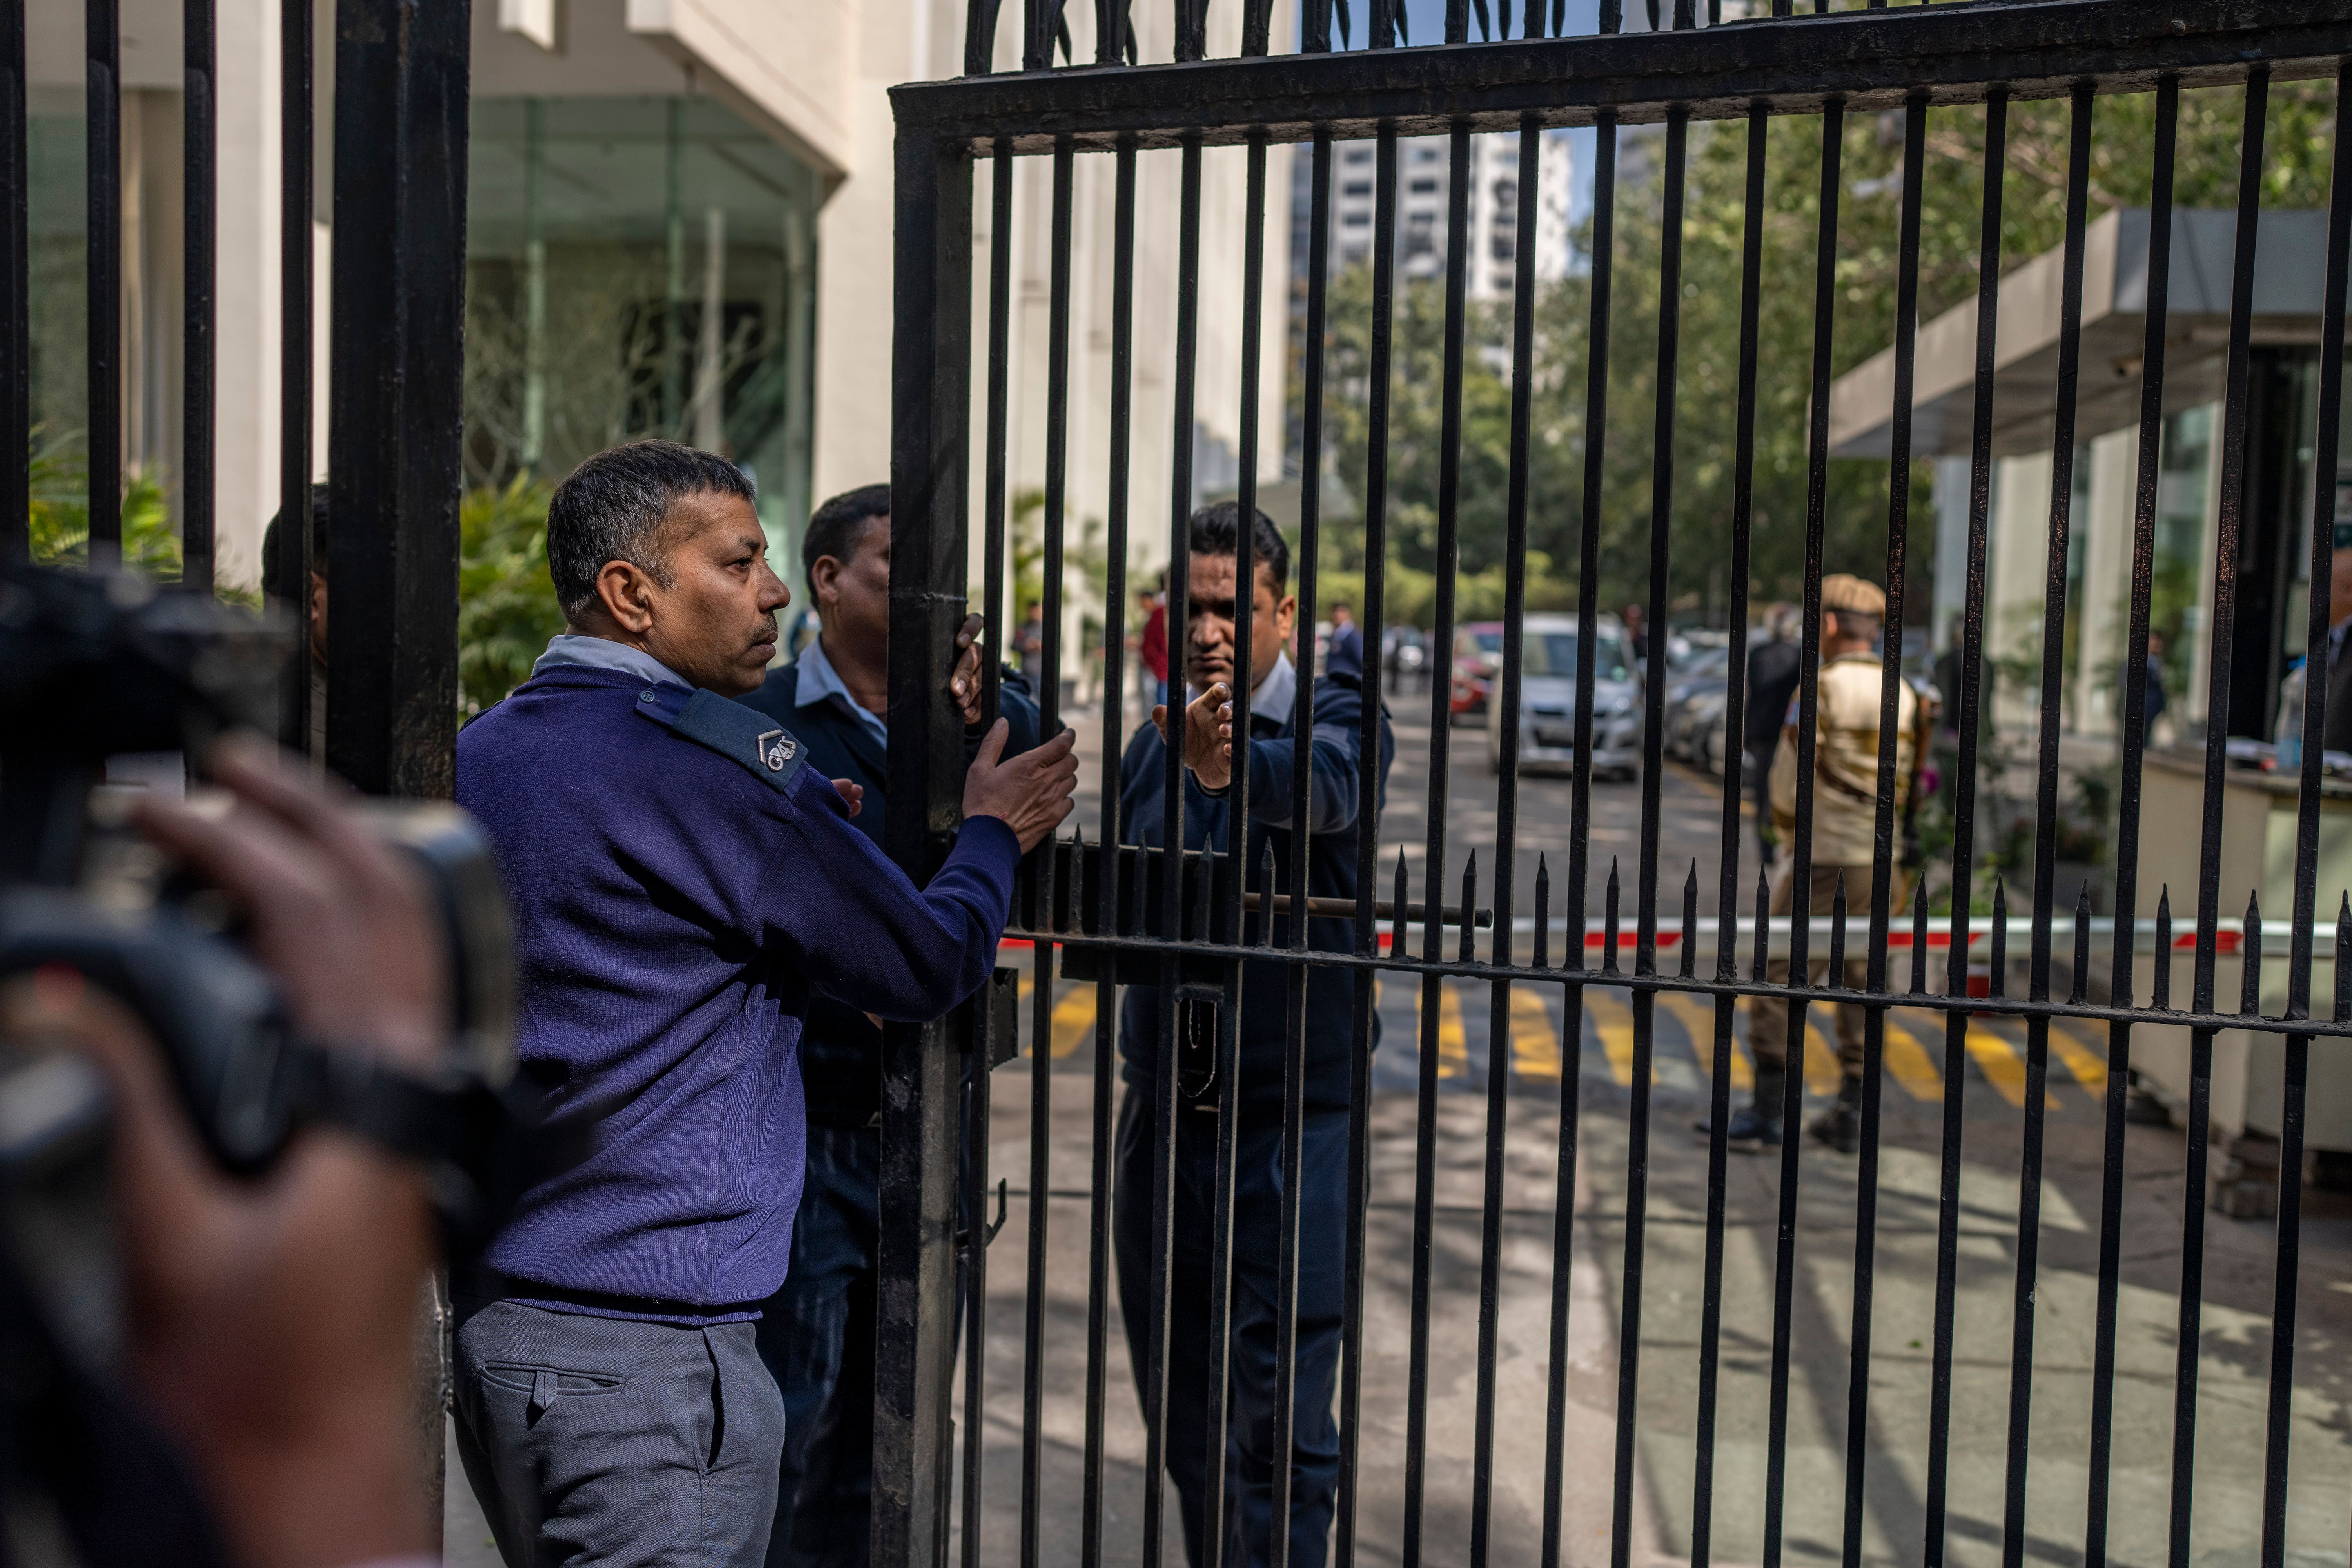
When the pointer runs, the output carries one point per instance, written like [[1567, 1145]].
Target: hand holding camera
[[251, 1057], [269, 1322]]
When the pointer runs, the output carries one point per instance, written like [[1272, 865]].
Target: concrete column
[[246, 289], [2105, 610], [1951, 584], [2019, 550]]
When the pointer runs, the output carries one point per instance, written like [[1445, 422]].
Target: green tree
[[506, 601], [2298, 133], [60, 482]]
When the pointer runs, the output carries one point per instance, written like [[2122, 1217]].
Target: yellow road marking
[[1821, 1058], [1908, 1060], [2003, 1064], [1698, 1021], [1453, 1044], [1073, 1020], [1535, 1038], [2086, 1060], [1615, 1022], [1822, 1068]]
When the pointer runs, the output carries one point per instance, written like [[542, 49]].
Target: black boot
[[1840, 1126], [1757, 1128]]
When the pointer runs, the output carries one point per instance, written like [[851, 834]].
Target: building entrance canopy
[[2290, 260]]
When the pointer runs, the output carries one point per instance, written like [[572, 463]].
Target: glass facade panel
[[639, 266]]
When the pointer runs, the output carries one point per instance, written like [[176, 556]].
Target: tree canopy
[[2299, 129]]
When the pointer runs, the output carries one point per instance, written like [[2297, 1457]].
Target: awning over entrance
[[2289, 263]]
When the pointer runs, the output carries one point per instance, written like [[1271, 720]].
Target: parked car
[[1548, 680], [1704, 714], [1478, 659], [1403, 652], [1701, 672]]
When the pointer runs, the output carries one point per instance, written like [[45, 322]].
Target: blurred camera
[[96, 666]]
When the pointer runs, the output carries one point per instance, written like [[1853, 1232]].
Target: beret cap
[[1844, 590]]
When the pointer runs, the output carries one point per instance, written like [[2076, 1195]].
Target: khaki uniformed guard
[[1847, 710]]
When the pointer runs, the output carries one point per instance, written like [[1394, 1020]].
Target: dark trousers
[[1759, 786], [1768, 1020], [601, 1441], [1253, 1392], [816, 1335]]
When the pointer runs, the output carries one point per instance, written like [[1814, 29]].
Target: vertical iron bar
[[1653, 726], [1735, 710], [995, 458], [1441, 691], [1037, 34], [1885, 850], [930, 445], [2045, 819], [1041, 995], [397, 394], [1368, 786], [992, 609], [1221, 1268], [1112, 31], [2325, 457], [296, 286], [199, 158], [1947, 1202], [973, 1263], [980, 36], [1302, 724], [1587, 620], [102, 68], [1113, 833], [1802, 853], [2127, 808], [1163, 1191], [2224, 624], [1504, 709]]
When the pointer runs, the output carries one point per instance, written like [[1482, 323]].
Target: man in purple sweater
[[681, 884]]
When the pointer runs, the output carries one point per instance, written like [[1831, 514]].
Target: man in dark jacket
[[1336, 715], [816, 1334], [1772, 671], [681, 881]]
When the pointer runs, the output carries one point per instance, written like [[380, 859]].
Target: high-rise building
[[1423, 173]]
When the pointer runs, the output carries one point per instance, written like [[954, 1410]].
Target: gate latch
[[991, 1019], [1196, 1044]]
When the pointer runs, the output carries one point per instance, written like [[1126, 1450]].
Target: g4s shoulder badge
[[742, 734]]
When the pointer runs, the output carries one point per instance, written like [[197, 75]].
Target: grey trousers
[[597, 1441]]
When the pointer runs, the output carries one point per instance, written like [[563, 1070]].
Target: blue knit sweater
[[674, 910]]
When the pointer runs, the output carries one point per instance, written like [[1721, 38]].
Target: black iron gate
[[1109, 915]]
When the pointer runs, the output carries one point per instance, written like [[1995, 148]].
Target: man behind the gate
[[1336, 750]]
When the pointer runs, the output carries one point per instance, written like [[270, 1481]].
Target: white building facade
[[1425, 175]]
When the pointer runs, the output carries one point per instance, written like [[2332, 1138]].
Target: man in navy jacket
[[816, 1334], [682, 883], [1336, 713]]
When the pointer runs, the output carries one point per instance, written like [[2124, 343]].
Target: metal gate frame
[[1992, 52]]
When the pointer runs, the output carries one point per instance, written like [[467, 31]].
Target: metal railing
[[397, 370], [1821, 69]]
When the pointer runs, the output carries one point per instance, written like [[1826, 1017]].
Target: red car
[[1478, 659]]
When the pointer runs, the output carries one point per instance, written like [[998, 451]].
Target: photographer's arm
[[270, 1321]]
